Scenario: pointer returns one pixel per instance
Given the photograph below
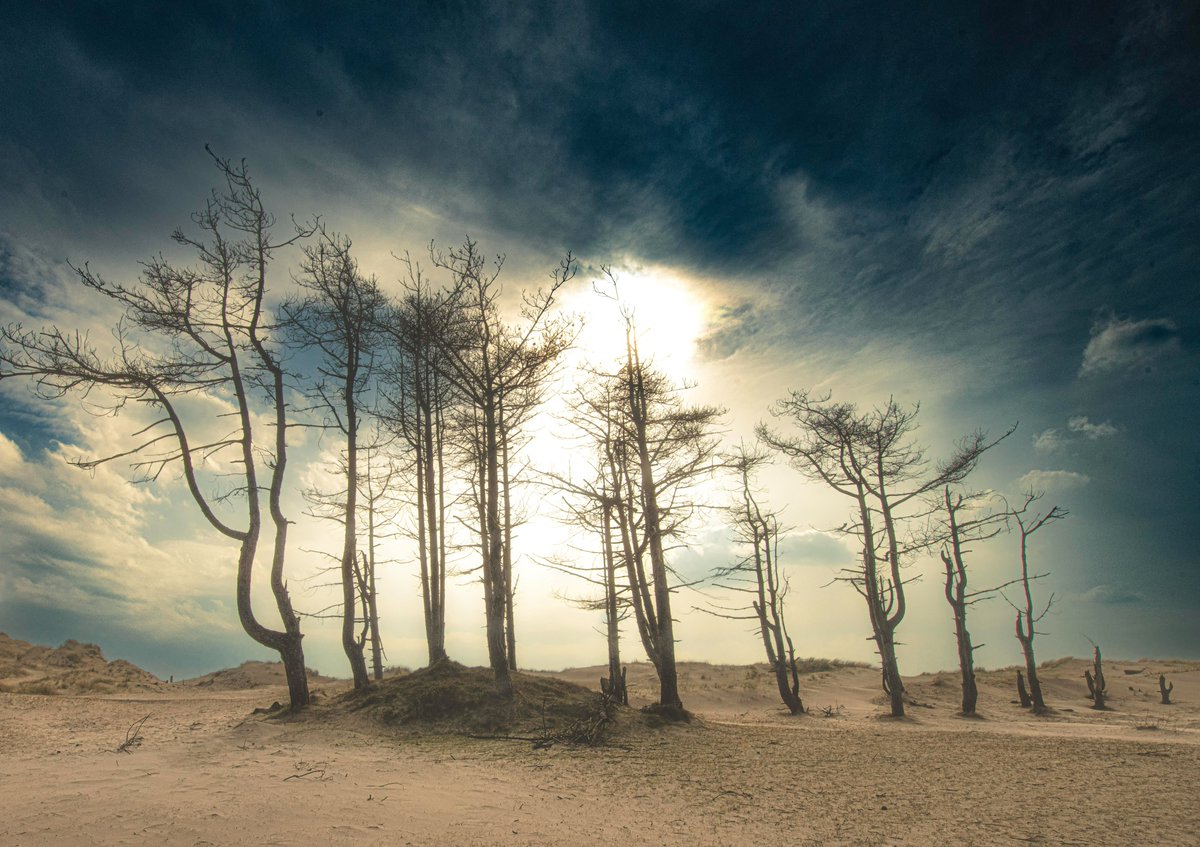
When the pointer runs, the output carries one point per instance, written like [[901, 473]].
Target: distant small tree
[[1164, 690], [1097, 688], [1027, 615]]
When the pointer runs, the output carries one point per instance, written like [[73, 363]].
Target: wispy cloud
[[1043, 480], [1091, 431], [1079, 427], [1120, 344], [1109, 595]]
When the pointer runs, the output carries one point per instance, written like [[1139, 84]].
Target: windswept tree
[[188, 332], [757, 574], [958, 523], [338, 317], [490, 360], [870, 457], [661, 449], [1028, 522]]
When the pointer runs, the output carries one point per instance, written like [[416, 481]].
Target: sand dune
[[207, 771]]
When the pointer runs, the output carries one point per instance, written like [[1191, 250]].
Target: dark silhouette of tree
[[1027, 615], [339, 316], [188, 331], [420, 404], [377, 483], [1097, 687], [757, 573], [660, 449], [490, 360], [593, 503], [870, 458], [958, 522]]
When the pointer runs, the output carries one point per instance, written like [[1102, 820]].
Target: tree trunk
[[893, 685], [435, 627], [616, 676], [1035, 686], [510, 632], [966, 665], [350, 644], [494, 564]]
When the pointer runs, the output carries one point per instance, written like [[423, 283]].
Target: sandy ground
[[207, 771]]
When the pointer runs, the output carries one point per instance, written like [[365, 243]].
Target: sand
[[208, 771]]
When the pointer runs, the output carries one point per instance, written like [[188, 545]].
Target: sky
[[987, 208]]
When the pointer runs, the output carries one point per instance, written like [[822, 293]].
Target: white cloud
[[1048, 441], [1118, 344], [1041, 480], [1079, 426], [1092, 431]]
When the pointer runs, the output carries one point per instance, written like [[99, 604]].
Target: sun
[[669, 315]]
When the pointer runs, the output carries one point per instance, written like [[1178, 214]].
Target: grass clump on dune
[[450, 697]]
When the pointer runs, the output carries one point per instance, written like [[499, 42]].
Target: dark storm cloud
[[665, 131]]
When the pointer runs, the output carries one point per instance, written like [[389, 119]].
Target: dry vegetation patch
[[448, 697]]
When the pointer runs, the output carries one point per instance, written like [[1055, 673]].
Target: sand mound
[[73, 668], [449, 697], [250, 675]]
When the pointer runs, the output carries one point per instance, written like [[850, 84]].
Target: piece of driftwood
[[133, 737]]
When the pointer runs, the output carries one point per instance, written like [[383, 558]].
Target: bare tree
[[1097, 688], [420, 402], [870, 458], [660, 449], [957, 524], [376, 489], [1165, 689], [197, 331], [489, 360], [339, 316], [1027, 616], [592, 504], [758, 574]]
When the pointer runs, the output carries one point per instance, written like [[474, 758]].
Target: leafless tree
[[758, 574], [377, 483], [420, 403], [490, 360], [870, 458], [339, 317], [959, 522], [592, 503], [661, 449], [1097, 687], [188, 331], [1028, 522], [1165, 689]]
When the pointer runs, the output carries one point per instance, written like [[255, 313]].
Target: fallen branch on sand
[[133, 736]]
